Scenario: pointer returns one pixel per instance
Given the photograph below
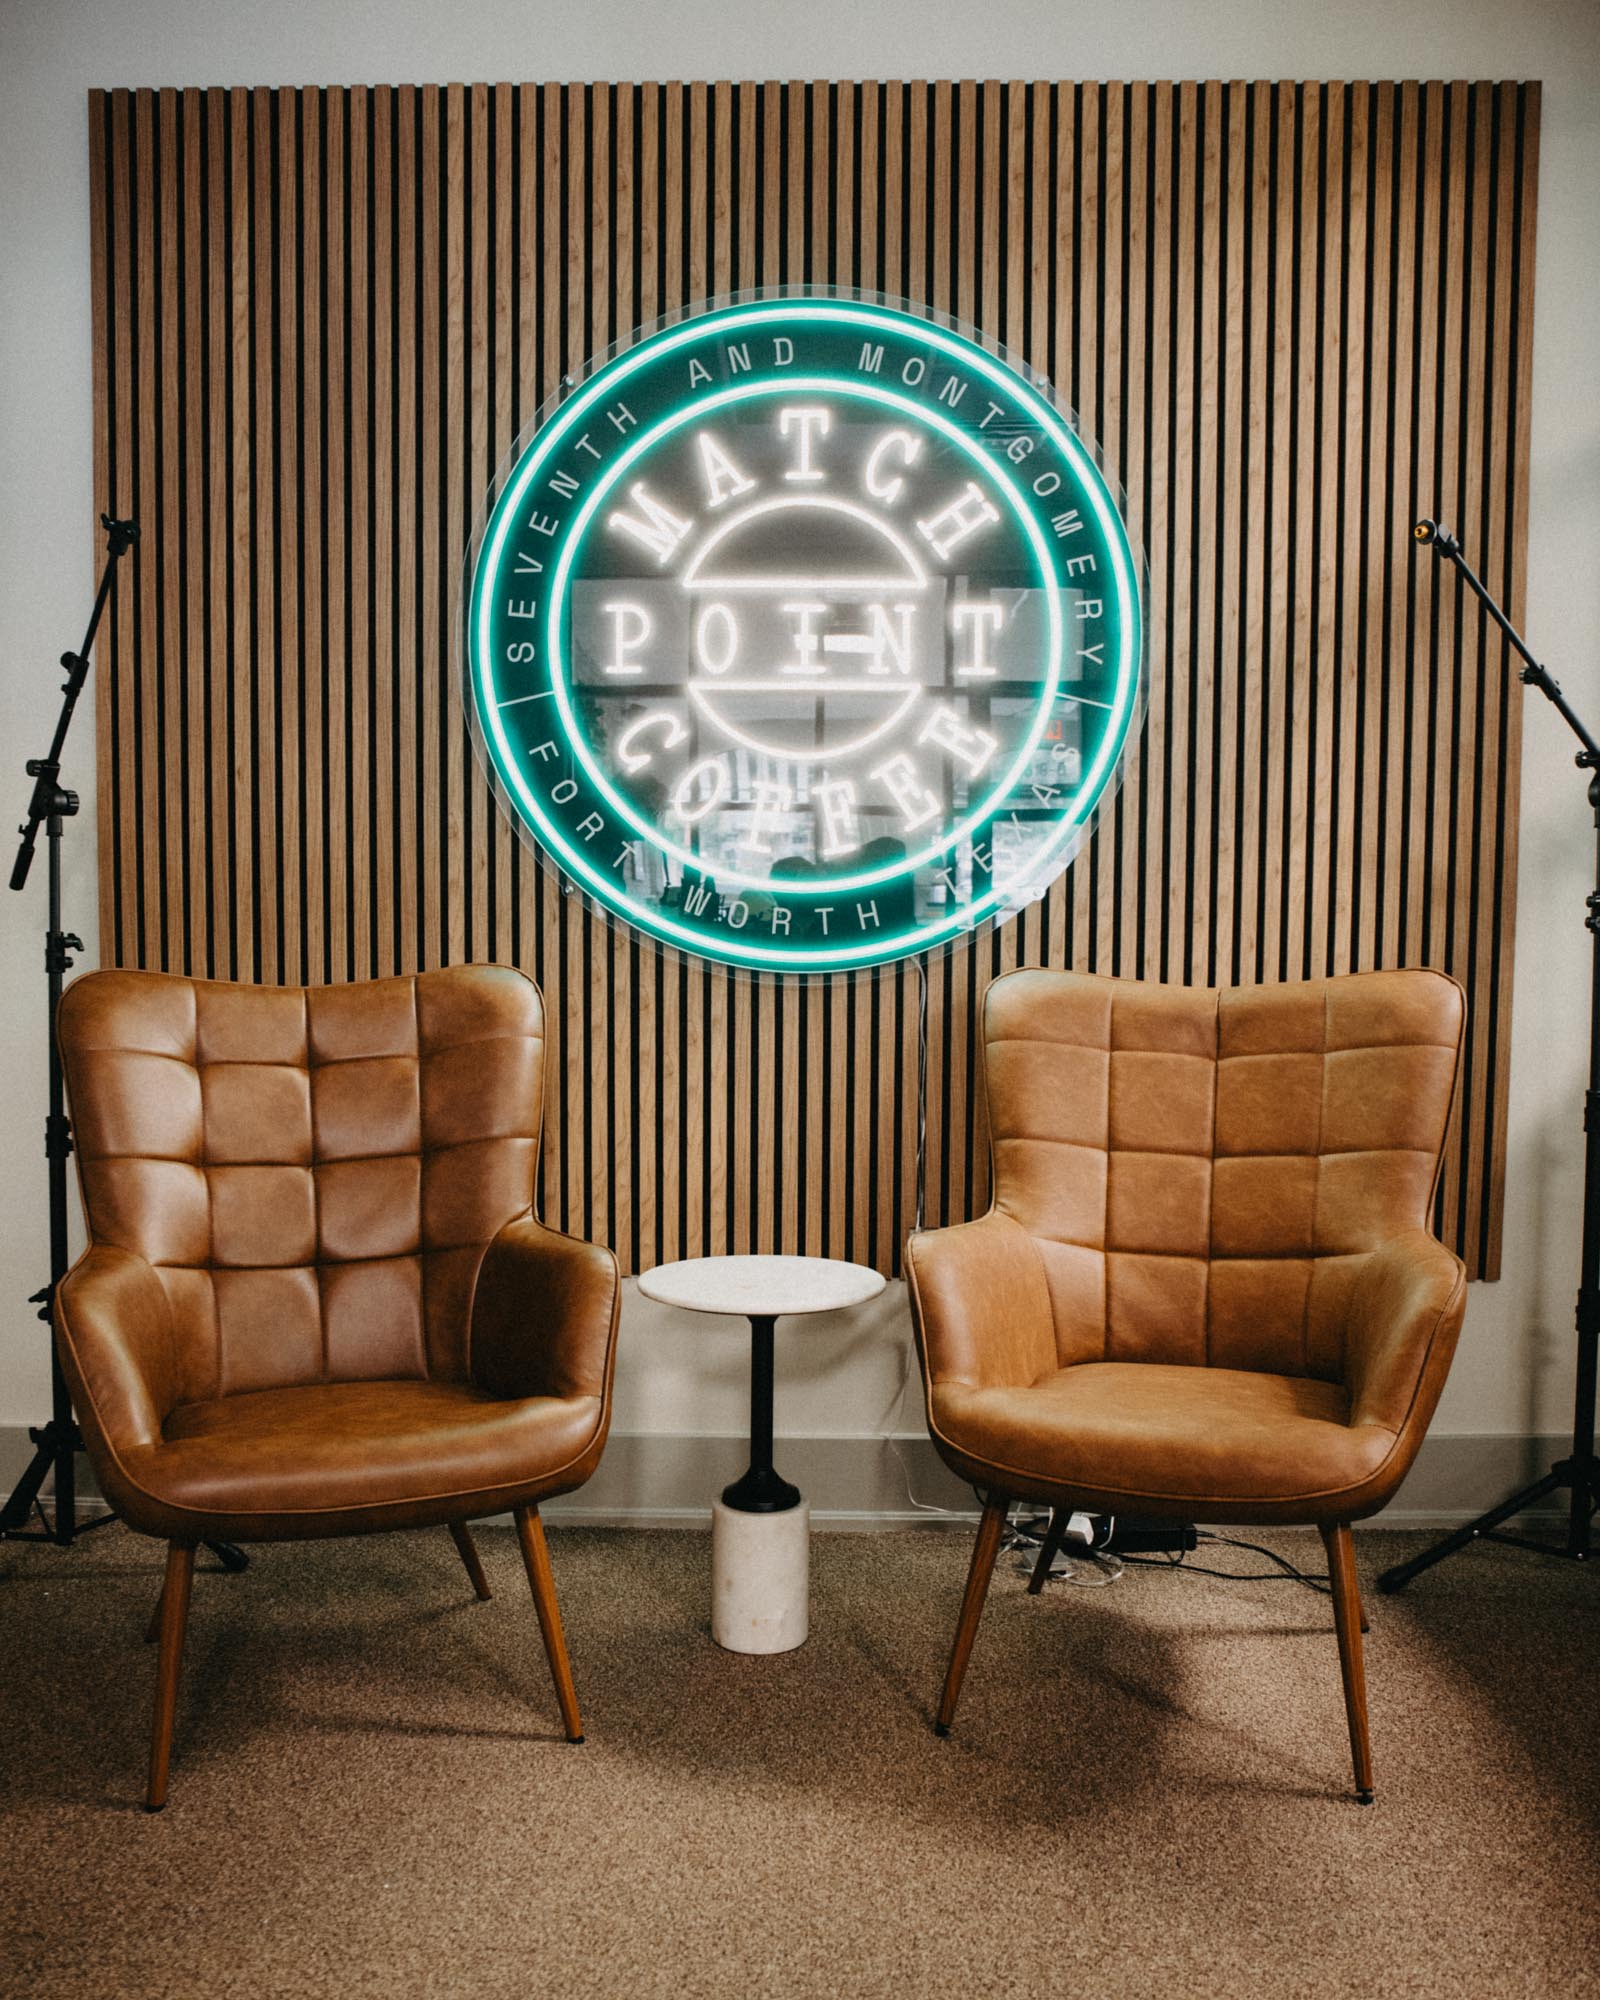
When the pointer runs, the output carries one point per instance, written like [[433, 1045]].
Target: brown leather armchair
[[316, 1300], [1206, 1289]]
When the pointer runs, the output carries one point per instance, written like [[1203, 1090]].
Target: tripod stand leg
[[25, 1493], [1049, 1549], [1402, 1573]]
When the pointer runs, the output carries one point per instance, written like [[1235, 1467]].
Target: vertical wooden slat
[[271, 806], [411, 659], [309, 514], [288, 518], [337, 584]]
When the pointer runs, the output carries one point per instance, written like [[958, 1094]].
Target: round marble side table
[[761, 1527]]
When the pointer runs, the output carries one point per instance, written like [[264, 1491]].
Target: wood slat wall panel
[[1294, 317]]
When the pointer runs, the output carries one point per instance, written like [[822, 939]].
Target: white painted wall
[[1513, 1372]]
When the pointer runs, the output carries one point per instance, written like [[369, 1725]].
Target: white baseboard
[[872, 1482]]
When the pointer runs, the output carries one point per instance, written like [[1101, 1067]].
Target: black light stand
[[1578, 1474], [57, 1443]]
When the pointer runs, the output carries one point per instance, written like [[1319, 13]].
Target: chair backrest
[[1202, 1168], [314, 1172]]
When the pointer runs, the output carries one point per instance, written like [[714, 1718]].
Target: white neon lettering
[[994, 410], [908, 377], [952, 390], [1020, 448], [1046, 484], [724, 480], [806, 420], [591, 825], [719, 781], [737, 914], [898, 776], [835, 800], [660, 531], [696, 899], [1069, 523], [739, 357], [870, 361], [780, 920], [716, 638], [698, 372], [909, 449], [519, 607], [965, 515], [564, 484], [867, 913], [622, 417], [807, 644], [543, 524], [635, 760], [969, 746], [782, 351], [983, 620], [879, 641], [564, 791], [772, 801], [1089, 607], [631, 626], [1076, 565]]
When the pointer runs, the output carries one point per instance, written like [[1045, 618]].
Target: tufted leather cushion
[[1203, 1170], [316, 1297], [314, 1173], [1206, 1278]]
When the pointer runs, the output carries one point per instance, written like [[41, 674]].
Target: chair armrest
[[114, 1326], [1401, 1324], [544, 1318], [980, 1304]]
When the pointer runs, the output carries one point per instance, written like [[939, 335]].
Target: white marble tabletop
[[776, 1285]]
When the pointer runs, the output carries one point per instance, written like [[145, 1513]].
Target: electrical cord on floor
[[1028, 1535], [1286, 1572]]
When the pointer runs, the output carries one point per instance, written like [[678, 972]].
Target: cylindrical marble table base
[[760, 1578]]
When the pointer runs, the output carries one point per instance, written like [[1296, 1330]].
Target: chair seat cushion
[[347, 1457], [1214, 1443]]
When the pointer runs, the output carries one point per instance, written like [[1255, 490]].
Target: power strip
[[1130, 1537]]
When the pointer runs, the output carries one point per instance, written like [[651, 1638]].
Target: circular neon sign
[[805, 634]]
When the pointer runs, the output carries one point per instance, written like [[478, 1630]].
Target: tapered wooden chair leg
[[536, 1556], [984, 1551], [1055, 1535], [174, 1621], [152, 1632], [467, 1549], [1347, 1623]]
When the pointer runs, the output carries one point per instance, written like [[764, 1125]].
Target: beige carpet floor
[[1147, 1793]]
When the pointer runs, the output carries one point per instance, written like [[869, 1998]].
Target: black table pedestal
[[761, 1490]]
